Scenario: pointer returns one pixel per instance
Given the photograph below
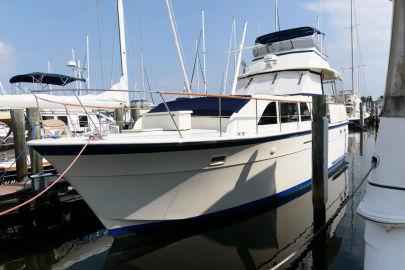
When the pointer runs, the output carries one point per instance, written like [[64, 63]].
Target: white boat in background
[[213, 154], [80, 113], [352, 103]]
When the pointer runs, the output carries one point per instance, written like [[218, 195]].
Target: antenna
[[178, 46], [242, 43], [204, 52], [276, 17]]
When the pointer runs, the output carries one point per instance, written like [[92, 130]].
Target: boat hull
[[134, 190]]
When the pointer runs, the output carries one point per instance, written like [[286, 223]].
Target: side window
[[83, 121], [269, 116], [305, 113], [47, 117], [288, 112], [63, 118]]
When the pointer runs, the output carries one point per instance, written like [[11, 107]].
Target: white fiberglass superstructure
[[212, 154]]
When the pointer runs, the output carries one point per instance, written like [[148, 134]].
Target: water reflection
[[258, 239]]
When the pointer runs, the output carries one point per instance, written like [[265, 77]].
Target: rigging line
[[113, 53], [201, 69], [147, 82], [99, 42], [195, 59], [225, 77]]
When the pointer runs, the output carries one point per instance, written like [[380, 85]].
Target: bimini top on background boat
[[31, 96]]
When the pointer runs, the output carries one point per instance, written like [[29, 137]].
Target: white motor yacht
[[203, 156]]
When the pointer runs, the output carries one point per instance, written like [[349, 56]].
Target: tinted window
[[269, 115], [305, 113], [289, 112], [47, 117], [83, 121], [63, 118]]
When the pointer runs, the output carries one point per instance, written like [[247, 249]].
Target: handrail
[[175, 93], [171, 116], [162, 93]]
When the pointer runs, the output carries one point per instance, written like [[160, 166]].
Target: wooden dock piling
[[18, 127], [34, 132], [361, 116], [319, 175], [119, 119]]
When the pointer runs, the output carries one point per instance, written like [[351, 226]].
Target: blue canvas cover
[[204, 106], [287, 35]]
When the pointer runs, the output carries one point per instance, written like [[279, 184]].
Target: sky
[[33, 33]]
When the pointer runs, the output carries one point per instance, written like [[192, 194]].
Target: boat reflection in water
[[256, 240]]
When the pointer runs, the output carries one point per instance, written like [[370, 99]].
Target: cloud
[[6, 58], [373, 18]]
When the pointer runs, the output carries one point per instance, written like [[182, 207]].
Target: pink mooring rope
[[50, 186]]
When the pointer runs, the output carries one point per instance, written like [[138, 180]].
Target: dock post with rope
[[20, 145], [34, 132], [319, 175]]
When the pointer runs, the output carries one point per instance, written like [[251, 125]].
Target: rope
[[327, 224], [51, 185], [12, 164]]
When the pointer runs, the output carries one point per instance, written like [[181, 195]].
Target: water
[[66, 235]]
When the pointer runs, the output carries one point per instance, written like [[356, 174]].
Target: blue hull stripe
[[305, 185]]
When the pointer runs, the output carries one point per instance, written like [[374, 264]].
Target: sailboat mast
[[123, 49], [177, 43], [242, 43], [352, 43]]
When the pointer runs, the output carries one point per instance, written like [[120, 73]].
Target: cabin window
[[83, 121], [269, 116], [288, 112], [305, 113], [47, 117], [63, 118]]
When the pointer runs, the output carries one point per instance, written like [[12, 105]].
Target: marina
[[281, 159]]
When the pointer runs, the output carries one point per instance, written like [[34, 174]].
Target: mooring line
[[50, 186], [12, 164], [326, 225]]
